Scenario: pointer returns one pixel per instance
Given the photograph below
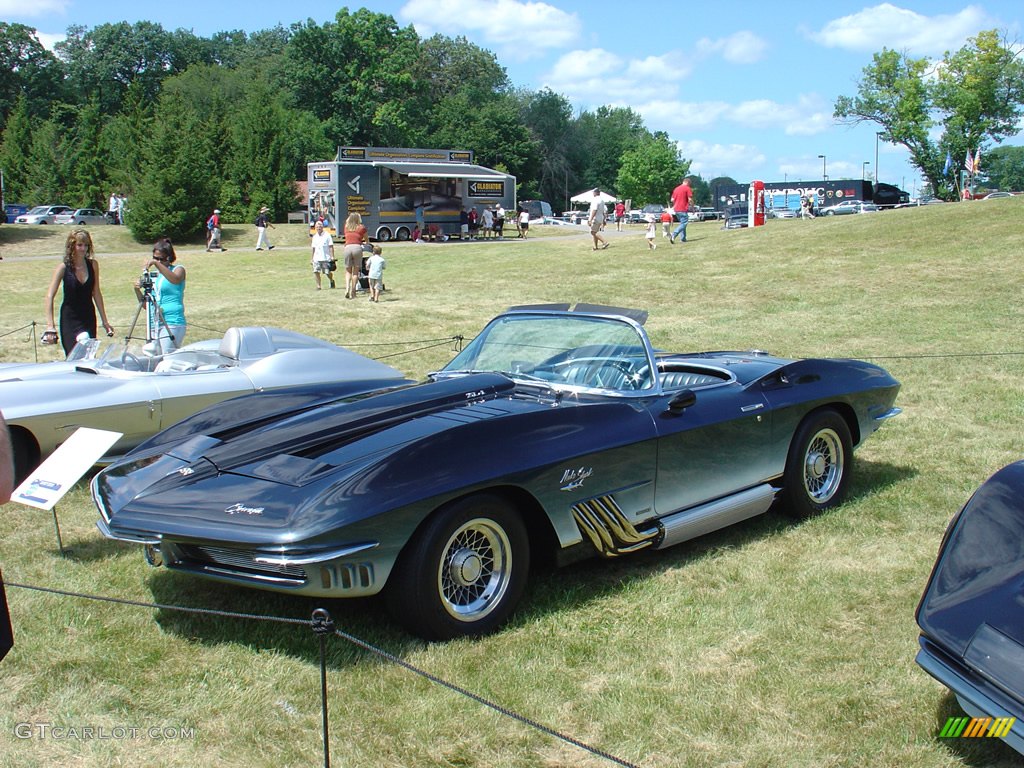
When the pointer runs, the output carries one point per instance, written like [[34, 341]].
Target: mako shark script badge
[[573, 478], [241, 509]]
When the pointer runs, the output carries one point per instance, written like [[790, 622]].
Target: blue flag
[[949, 163]]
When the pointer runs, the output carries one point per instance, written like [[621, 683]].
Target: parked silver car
[[42, 214], [83, 217], [848, 206], [110, 385]]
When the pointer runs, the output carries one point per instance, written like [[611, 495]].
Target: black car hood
[[973, 606], [289, 448]]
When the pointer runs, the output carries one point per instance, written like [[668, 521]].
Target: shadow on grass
[[20, 234], [95, 548], [974, 751], [363, 618], [548, 592], [870, 477]]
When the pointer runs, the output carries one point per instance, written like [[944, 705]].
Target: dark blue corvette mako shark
[[557, 431]]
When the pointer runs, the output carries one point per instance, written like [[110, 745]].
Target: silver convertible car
[[110, 385]]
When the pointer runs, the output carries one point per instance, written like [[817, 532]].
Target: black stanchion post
[[56, 527], [323, 626], [6, 632]]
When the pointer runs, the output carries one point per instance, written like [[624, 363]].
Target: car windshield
[[560, 350], [139, 356], [37, 210]]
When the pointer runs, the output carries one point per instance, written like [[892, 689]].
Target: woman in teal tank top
[[169, 288]]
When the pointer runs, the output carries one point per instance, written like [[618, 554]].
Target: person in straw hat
[[262, 222]]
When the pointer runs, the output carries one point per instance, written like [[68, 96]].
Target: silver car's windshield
[[561, 350]]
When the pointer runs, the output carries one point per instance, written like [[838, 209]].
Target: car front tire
[[464, 572], [818, 467], [25, 452]]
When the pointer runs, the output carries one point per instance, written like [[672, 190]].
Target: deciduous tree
[[976, 94]]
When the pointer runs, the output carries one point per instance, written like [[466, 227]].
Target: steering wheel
[[623, 378], [125, 357], [623, 371]]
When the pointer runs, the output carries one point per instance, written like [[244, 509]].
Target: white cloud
[[675, 117], [520, 30], [710, 159], [889, 26], [741, 47], [807, 116], [48, 41], [33, 8], [590, 78]]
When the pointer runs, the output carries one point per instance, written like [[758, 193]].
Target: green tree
[[548, 116], [1003, 168], [651, 170], [14, 151], [177, 187], [104, 61], [356, 74], [494, 130], [27, 69], [45, 182], [600, 140], [263, 156], [83, 160], [976, 94], [122, 142]]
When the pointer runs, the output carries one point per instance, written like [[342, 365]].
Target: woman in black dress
[[79, 274]]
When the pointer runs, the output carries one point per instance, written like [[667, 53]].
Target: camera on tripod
[[146, 281]]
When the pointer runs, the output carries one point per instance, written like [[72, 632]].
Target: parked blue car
[[558, 433]]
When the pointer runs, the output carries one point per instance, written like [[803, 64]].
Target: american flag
[[969, 162]]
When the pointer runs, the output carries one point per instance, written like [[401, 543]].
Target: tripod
[[157, 329]]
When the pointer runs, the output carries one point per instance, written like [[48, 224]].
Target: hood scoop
[[313, 433]]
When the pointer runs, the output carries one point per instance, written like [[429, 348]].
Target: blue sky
[[746, 89]]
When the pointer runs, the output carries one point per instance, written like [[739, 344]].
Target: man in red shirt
[[681, 197], [620, 214]]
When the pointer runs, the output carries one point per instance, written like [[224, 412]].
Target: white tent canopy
[[586, 197]]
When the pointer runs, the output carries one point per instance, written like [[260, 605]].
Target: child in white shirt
[[651, 232], [375, 269]]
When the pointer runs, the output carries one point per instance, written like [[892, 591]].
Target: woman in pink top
[[355, 236]]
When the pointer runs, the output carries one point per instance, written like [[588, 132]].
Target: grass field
[[773, 643]]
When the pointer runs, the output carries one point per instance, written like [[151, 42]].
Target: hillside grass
[[773, 643]]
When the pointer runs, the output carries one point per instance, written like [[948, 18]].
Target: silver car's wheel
[[818, 466], [464, 570]]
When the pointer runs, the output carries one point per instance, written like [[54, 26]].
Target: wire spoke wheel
[[474, 573], [823, 466], [819, 464], [464, 571]]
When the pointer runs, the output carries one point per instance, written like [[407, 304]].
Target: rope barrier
[[323, 626], [460, 339], [426, 344]]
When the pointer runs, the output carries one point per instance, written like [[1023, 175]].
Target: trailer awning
[[443, 170]]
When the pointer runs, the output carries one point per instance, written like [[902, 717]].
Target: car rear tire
[[464, 572], [818, 467]]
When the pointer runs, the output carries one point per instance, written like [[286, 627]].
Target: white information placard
[[64, 467]]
